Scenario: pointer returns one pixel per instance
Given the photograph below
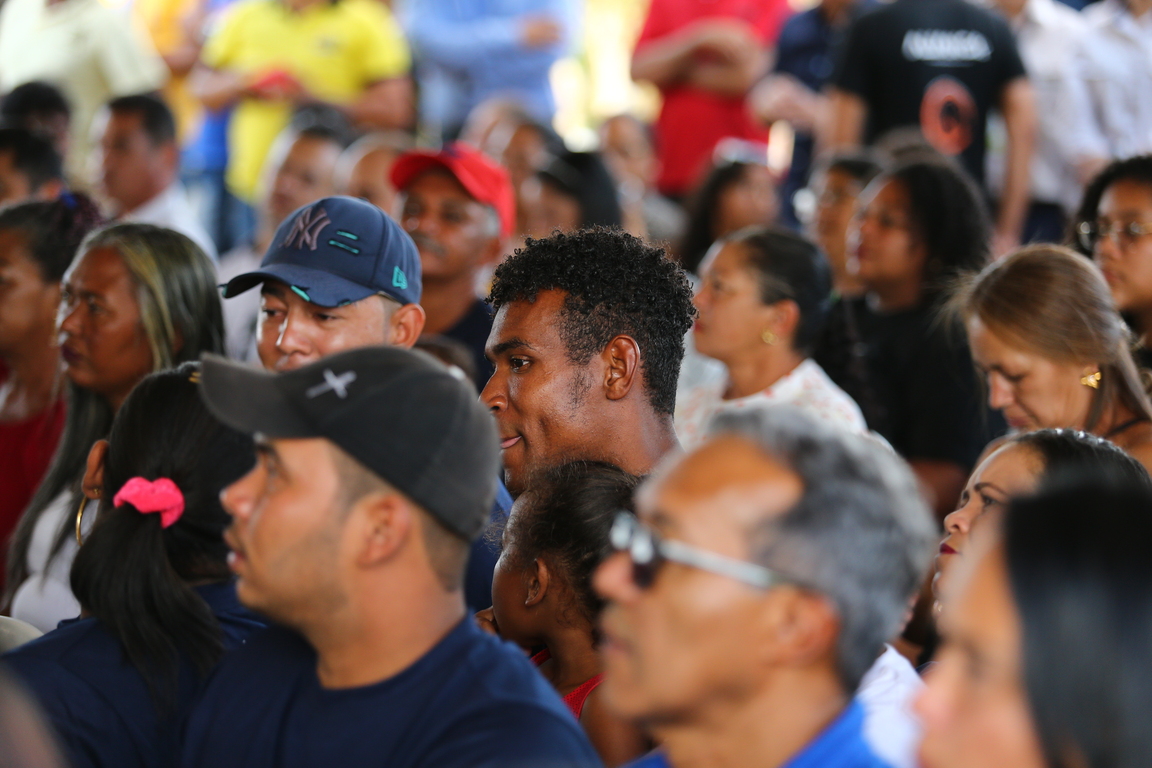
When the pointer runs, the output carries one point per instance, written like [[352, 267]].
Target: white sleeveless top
[[45, 598]]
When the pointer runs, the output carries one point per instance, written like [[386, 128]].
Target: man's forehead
[[533, 321], [727, 478], [423, 183]]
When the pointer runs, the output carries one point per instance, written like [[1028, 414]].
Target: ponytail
[[135, 570]]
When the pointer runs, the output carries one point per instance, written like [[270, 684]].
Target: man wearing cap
[[354, 540], [459, 207], [339, 274]]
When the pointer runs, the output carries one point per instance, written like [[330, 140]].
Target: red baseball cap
[[484, 179]]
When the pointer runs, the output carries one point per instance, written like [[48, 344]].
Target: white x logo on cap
[[333, 383]]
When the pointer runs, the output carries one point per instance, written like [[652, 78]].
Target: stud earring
[[769, 338], [1091, 380]]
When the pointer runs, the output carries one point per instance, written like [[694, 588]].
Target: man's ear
[[538, 577], [796, 628], [93, 483], [621, 366], [405, 325], [386, 522]]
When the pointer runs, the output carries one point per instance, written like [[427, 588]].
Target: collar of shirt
[[840, 745]]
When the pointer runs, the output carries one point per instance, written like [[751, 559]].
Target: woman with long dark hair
[[919, 225], [1017, 467], [1045, 660], [736, 193], [137, 299], [37, 242], [151, 576], [1114, 227]]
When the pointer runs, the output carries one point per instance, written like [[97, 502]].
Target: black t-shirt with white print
[[939, 65]]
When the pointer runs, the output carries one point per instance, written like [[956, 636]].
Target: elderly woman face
[[975, 710], [1010, 471], [1032, 391], [732, 316], [102, 339]]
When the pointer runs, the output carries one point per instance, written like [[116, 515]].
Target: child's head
[[555, 537]]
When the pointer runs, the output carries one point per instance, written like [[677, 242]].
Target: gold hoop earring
[[1091, 380], [79, 518], [769, 338]]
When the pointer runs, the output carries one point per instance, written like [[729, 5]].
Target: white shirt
[[1118, 68], [1051, 38], [89, 51], [45, 598], [807, 387], [171, 209], [886, 692], [241, 313]]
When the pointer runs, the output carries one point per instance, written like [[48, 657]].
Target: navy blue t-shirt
[[99, 704], [805, 51], [472, 700], [482, 559]]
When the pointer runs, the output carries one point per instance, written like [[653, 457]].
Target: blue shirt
[[99, 704], [469, 50], [484, 554], [840, 745], [804, 50], [471, 701]]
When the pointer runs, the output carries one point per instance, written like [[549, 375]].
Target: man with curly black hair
[[587, 343]]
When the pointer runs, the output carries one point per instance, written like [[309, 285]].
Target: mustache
[[425, 243]]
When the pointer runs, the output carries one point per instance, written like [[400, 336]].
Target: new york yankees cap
[[336, 251], [399, 412]]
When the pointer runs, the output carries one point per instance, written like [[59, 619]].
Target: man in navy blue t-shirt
[[376, 468]]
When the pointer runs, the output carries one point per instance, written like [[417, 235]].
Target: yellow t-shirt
[[90, 52], [165, 21], [335, 49]]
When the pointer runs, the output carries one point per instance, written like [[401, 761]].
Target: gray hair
[[861, 533]]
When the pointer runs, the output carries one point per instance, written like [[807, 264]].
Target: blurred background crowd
[[927, 222]]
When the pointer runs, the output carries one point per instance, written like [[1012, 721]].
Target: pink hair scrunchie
[[159, 495]]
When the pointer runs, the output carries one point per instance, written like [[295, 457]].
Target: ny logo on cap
[[307, 227], [333, 383]]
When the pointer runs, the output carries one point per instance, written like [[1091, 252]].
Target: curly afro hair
[[617, 285]]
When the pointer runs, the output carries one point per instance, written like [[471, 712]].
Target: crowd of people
[[350, 416]]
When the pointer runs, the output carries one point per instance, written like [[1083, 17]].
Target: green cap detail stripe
[[300, 292]]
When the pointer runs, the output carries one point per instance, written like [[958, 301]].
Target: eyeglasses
[[649, 552], [1122, 235]]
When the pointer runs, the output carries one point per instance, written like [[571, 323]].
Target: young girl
[[542, 598]]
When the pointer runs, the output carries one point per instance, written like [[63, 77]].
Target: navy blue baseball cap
[[336, 251]]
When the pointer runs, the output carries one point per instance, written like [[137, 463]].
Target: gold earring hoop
[[79, 518], [1091, 380], [769, 338]]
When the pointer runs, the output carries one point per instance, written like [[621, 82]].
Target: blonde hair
[[1050, 301]]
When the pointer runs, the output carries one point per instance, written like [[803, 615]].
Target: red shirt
[[26, 449], [692, 121]]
